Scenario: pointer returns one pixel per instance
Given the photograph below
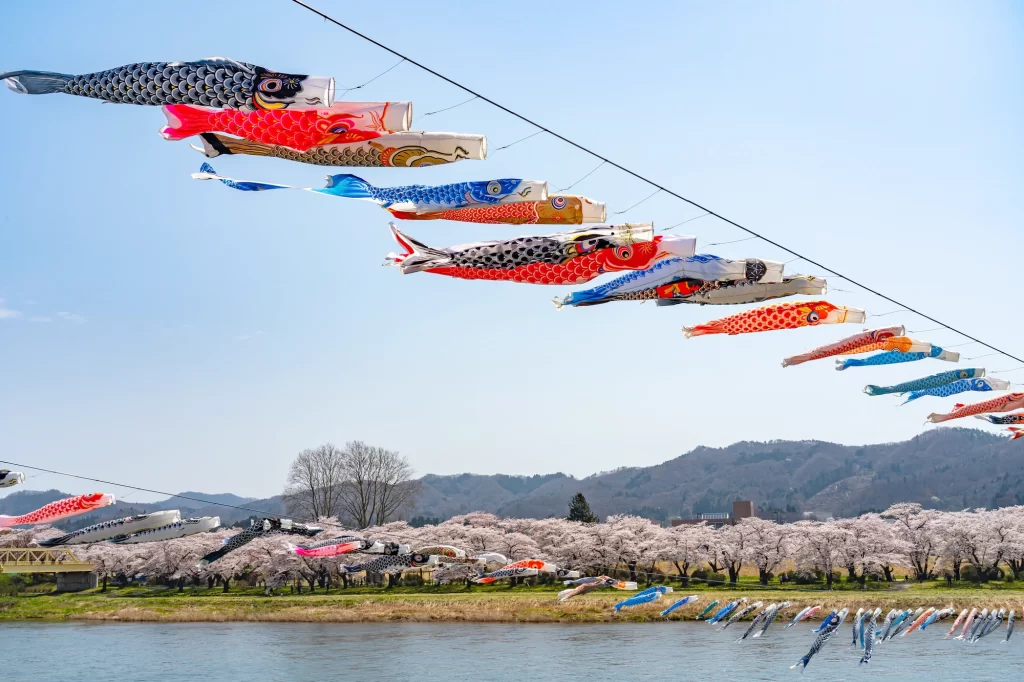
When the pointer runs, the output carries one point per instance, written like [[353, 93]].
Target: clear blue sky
[[178, 335]]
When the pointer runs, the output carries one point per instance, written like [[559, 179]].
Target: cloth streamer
[[396, 150], [845, 345], [216, 82], [900, 344], [414, 198], [925, 383], [561, 258], [738, 292], [895, 357], [557, 209], [1004, 403], [298, 129], [60, 509], [961, 386], [779, 316]]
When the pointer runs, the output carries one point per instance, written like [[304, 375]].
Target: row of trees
[[905, 539]]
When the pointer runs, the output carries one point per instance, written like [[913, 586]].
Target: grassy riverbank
[[492, 604]]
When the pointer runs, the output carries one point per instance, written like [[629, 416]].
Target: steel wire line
[[652, 183]]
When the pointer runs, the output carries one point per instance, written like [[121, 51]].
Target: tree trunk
[[391, 580], [734, 574], [762, 576], [210, 583], [828, 580], [887, 571], [312, 584], [684, 580], [632, 570], [227, 585], [104, 584], [851, 569], [181, 585]]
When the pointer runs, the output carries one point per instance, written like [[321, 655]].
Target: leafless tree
[[377, 486], [315, 483]]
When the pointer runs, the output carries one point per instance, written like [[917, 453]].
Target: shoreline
[[496, 606]]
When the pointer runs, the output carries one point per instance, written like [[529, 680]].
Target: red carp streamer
[[779, 316], [61, 509], [1005, 403]]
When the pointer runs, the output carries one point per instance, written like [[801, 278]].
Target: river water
[[248, 652]]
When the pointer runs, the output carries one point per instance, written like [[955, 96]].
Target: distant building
[[740, 510]]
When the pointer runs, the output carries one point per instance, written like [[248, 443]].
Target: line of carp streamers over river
[[237, 108]]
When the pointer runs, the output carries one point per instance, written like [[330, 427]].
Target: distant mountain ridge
[[944, 468]]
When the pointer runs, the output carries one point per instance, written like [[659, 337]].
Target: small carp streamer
[[680, 603], [504, 573], [172, 531], [394, 150], [961, 386], [410, 198], [10, 478], [726, 610], [256, 529], [394, 563], [779, 316], [1015, 418], [645, 597], [114, 528], [706, 610], [557, 209], [562, 258], [300, 130], [845, 345], [537, 565], [216, 82], [677, 278], [347, 543], [895, 357], [829, 628], [61, 509], [804, 614], [899, 344], [1005, 403], [925, 383]]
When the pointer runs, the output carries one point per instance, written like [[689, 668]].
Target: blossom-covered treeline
[[903, 539]]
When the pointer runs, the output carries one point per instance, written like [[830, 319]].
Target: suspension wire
[[690, 220], [642, 178], [438, 111], [596, 168], [345, 91], [637, 203], [522, 139]]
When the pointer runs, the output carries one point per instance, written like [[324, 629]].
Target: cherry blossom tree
[[766, 545]]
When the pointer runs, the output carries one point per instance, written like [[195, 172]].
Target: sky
[[177, 335]]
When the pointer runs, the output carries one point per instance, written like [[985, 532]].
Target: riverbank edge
[[533, 607]]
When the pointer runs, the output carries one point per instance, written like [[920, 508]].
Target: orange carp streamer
[[61, 509], [845, 346], [779, 316], [1005, 403], [899, 344], [557, 209]]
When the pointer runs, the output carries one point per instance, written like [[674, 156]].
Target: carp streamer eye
[[338, 130], [558, 202], [494, 188], [623, 252], [963, 375], [813, 317], [271, 85]]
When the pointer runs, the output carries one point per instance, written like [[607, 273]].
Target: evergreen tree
[[579, 510]]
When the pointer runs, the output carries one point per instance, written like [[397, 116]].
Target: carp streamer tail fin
[[7, 521], [702, 330], [217, 145], [418, 256], [36, 82], [350, 186], [184, 121]]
